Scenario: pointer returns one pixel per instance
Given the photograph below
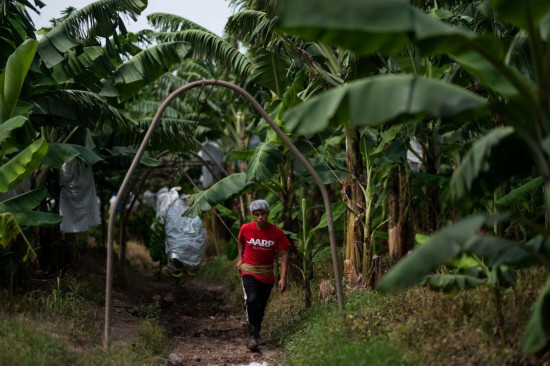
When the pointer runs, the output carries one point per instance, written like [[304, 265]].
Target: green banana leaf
[[545, 27], [365, 26], [13, 77], [264, 163], [97, 19], [493, 159], [519, 194], [26, 201], [74, 107], [452, 282], [217, 194], [146, 67], [270, 71], [242, 154], [76, 65], [377, 100], [36, 218], [8, 126], [519, 255], [387, 26], [58, 154], [337, 209], [537, 334], [446, 244], [495, 249], [21, 166], [206, 45], [464, 261], [9, 230], [518, 12], [122, 157]]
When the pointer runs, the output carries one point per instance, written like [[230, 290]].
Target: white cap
[[258, 205]]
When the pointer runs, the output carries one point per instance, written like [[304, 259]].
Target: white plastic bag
[[78, 202], [185, 236], [165, 198]]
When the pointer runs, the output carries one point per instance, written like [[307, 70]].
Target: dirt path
[[203, 328]]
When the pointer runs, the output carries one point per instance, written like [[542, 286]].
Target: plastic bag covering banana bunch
[[78, 202], [185, 236]]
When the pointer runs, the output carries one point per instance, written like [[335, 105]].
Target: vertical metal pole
[[139, 154]]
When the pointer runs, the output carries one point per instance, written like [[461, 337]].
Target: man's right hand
[[238, 264]]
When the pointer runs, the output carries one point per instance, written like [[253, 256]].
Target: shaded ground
[[203, 328]]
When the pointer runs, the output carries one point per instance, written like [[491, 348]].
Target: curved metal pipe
[[141, 150]]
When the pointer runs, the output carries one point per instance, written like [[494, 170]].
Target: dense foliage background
[[428, 122]]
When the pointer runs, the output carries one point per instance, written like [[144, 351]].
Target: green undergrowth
[[27, 341], [322, 335], [60, 322], [24, 342], [326, 338], [415, 327]]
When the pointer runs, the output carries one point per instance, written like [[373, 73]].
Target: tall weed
[[63, 301], [152, 337]]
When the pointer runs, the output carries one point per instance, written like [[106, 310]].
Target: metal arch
[[137, 158]]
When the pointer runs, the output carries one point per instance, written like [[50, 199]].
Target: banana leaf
[[446, 244], [26, 201], [8, 126], [58, 154], [493, 159], [13, 77], [264, 163], [218, 193], [377, 100], [537, 334], [21, 166], [452, 282]]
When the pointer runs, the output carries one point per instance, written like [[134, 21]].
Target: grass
[[60, 325], [415, 327], [152, 337], [24, 342], [325, 338], [322, 336]]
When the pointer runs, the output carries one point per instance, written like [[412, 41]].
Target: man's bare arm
[[284, 266]]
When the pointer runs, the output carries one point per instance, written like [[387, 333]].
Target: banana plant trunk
[[400, 225], [287, 200], [432, 192], [355, 199]]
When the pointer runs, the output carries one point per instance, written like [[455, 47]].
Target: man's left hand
[[282, 285]]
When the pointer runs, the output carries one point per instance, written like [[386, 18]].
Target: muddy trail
[[202, 326]]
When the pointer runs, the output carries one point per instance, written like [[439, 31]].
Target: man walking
[[258, 244]]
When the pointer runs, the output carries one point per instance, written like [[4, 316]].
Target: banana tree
[[16, 25], [310, 246], [18, 163], [515, 99]]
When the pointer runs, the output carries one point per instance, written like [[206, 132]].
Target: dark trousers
[[256, 294]]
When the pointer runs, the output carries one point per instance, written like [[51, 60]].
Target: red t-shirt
[[261, 246]]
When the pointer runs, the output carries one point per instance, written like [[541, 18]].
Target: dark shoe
[[253, 343]]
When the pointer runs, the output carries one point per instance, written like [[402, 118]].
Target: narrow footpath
[[202, 327]]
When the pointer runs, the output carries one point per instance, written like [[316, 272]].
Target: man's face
[[260, 216]]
